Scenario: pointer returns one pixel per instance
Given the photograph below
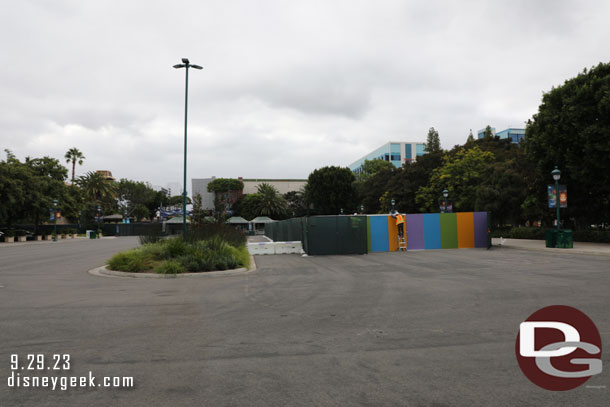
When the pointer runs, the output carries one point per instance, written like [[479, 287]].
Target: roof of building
[[262, 219], [236, 219], [177, 219]]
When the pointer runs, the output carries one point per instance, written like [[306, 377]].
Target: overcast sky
[[287, 86]]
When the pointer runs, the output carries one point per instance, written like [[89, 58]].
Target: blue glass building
[[396, 152], [515, 135]]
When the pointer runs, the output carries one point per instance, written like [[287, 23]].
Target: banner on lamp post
[[552, 196]]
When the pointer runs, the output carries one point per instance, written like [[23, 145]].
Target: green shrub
[[154, 250], [170, 267], [241, 255], [175, 247], [132, 261], [153, 236], [194, 262]]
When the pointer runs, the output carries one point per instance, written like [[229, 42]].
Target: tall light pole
[[99, 215], [185, 64], [55, 220], [556, 175]]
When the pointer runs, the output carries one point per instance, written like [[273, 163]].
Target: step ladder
[[402, 243]]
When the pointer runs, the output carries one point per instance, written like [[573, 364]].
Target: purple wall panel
[[415, 232], [480, 229]]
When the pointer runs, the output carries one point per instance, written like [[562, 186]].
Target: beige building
[[282, 185], [200, 186]]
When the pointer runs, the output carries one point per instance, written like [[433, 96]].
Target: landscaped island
[[202, 250]]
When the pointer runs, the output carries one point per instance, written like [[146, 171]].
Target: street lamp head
[[393, 202], [54, 202], [196, 66], [185, 61], [556, 174], [445, 193], [178, 66]]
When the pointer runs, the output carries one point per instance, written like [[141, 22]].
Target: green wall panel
[[449, 239]]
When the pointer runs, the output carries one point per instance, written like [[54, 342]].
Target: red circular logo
[[559, 348]]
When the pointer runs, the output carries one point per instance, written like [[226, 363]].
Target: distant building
[[200, 186], [515, 135], [396, 152], [106, 174], [282, 185]]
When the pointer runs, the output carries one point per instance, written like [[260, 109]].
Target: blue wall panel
[[432, 230], [379, 234]]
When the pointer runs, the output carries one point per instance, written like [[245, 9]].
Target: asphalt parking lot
[[429, 328]]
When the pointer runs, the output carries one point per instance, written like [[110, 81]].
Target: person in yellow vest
[[400, 222]]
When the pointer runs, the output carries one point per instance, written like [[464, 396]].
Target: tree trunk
[[73, 167]]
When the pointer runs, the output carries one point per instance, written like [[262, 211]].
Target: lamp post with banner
[[556, 176]]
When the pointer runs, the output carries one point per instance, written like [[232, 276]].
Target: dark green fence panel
[[336, 235], [322, 234]]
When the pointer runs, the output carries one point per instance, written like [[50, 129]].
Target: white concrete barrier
[[275, 248], [261, 248], [288, 248]]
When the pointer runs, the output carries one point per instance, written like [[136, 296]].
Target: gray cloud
[[286, 86]]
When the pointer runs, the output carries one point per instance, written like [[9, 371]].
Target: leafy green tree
[[331, 189], [73, 156], [572, 130], [15, 178], [177, 200], [221, 185], [404, 186], [470, 138], [372, 167], [27, 190], [249, 205], [488, 133], [134, 193], [461, 174], [140, 211], [48, 183], [297, 204], [370, 190], [97, 189], [271, 202], [433, 141], [198, 212]]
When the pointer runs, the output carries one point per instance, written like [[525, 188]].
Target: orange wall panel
[[392, 234], [465, 229]]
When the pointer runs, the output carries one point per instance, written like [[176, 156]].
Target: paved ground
[[598, 249], [430, 328]]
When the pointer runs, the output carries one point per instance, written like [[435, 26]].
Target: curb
[[554, 250], [104, 272]]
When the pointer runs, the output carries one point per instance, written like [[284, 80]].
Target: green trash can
[[565, 239], [93, 235], [551, 237]]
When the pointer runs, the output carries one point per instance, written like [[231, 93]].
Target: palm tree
[[271, 203], [96, 188], [74, 155]]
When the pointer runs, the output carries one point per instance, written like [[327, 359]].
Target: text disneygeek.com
[[25, 369]]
